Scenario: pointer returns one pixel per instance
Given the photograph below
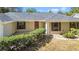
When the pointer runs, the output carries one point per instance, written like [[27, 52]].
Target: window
[[56, 26], [20, 25], [36, 25], [74, 24], [78, 25]]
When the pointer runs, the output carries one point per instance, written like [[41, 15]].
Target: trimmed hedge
[[18, 42]]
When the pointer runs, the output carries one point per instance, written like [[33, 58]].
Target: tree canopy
[[72, 11], [7, 9], [31, 10], [3, 10], [60, 12], [50, 11]]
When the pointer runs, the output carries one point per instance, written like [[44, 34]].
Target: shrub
[[73, 30], [69, 34], [77, 32], [18, 42]]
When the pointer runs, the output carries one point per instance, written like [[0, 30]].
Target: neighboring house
[[53, 23]]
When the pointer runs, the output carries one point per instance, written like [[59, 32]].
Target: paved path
[[61, 37]]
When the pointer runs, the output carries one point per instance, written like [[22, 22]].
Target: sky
[[46, 9]]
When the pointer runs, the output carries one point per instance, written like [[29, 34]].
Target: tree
[[60, 12], [12, 9], [7, 9], [72, 11], [50, 11], [3, 10], [31, 10]]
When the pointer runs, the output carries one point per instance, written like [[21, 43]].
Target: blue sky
[[46, 9]]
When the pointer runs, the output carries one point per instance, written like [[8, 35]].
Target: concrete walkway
[[61, 37]]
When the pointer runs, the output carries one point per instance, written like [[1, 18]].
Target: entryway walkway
[[61, 37]]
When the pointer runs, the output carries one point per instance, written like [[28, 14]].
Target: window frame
[[20, 25], [54, 28], [76, 25]]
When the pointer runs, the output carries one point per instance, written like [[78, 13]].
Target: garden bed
[[23, 41]]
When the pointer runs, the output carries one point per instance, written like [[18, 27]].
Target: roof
[[4, 17], [21, 16], [76, 15]]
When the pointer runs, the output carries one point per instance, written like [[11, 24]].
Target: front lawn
[[61, 45]]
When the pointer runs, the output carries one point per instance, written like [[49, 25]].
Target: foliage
[[73, 30], [3, 10], [72, 11], [31, 10], [69, 34], [18, 42], [60, 12], [77, 32], [50, 11], [7, 9]]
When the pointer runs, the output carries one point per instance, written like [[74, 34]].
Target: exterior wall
[[29, 26], [64, 28], [9, 29], [1, 29], [42, 24]]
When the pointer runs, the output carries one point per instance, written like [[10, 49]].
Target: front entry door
[[36, 25], [20, 25]]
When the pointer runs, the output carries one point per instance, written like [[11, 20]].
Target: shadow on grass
[[39, 43]]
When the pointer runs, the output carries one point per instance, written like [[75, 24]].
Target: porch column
[[46, 27]]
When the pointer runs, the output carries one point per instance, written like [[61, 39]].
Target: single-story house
[[12, 22]]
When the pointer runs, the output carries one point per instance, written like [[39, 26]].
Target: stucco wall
[[64, 28], [42, 24], [29, 26], [9, 29], [1, 29]]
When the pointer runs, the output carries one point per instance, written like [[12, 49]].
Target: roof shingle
[[21, 16]]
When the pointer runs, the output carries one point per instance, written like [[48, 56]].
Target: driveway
[[61, 45]]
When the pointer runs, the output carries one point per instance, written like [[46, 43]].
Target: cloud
[[65, 9], [55, 10]]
